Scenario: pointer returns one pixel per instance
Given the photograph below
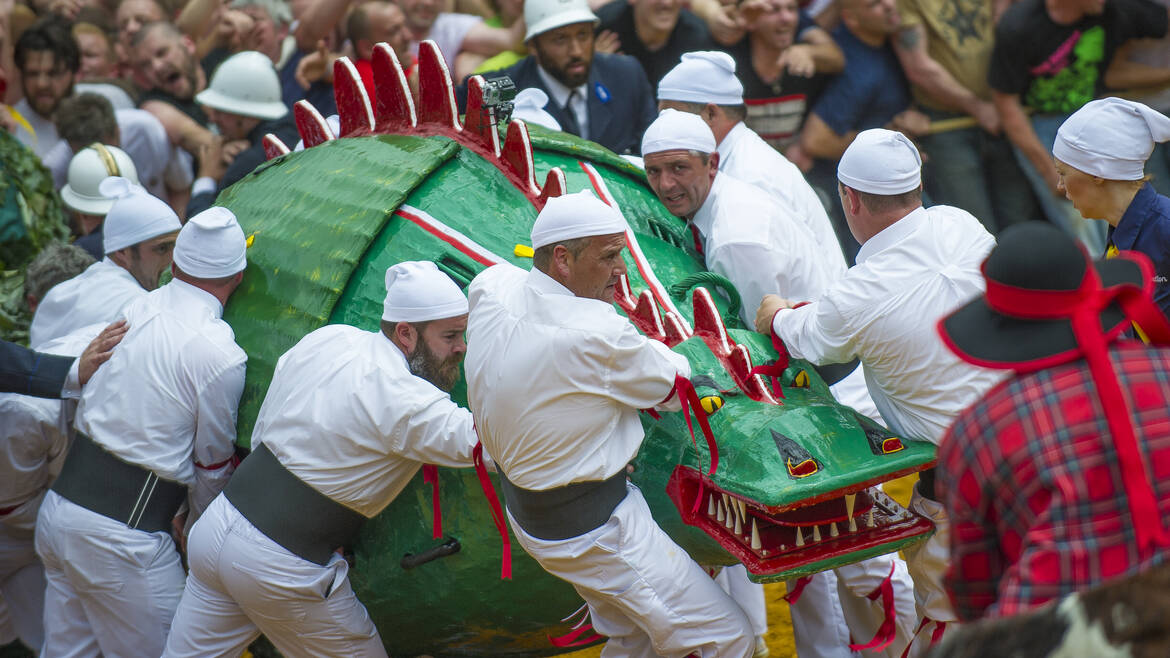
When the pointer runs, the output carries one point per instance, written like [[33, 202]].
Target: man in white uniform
[[555, 378], [348, 420], [915, 265], [704, 83], [748, 238], [155, 428], [34, 435], [138, 238]]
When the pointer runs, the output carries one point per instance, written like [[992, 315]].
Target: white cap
[[706, 76], [417, 291], [528, 106], [134, 216], [543, 15], [245, 84], [881, 161], [572, 216], [92, 165], [211, 245], [674, 130], [1111, 138]]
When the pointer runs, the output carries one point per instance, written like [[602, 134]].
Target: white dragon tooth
[[719, 513], [799, 537], [726, 500], [765, 551], [711, 505], [816, 533], [729, 522], [742, 510], [832, 529], [755, 536], [738, 526], [869, 521], [850, 502]]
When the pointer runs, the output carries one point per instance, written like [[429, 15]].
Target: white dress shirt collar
[[557, 90], [892, 234], [545, 284], [729, 141], [704, 218], [198, 296]]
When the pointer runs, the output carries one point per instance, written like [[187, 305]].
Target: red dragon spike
[[517, 155], [623, 296], [740, 365], [675, 333], [554, 185], [647, 318], [353, 104], [394, 104], [311, 125], [709, 324], [273, 147], [436, 94], [476, 124]]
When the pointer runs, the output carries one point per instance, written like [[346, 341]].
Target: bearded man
[[348, 420]]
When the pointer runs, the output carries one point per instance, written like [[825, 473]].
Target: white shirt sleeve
[[72, 388], [440, 432], [630, 368], [757, 270], [215, 434], [817, 332]]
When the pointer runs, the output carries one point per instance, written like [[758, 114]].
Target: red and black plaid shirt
[[1033, 490]]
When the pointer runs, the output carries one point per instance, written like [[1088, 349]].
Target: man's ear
[[852, 199], [562, 260], [406, 335]]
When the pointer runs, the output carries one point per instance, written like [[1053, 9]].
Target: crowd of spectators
[[981, 85]]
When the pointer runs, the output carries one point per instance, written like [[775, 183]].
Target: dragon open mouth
[[787, 542]]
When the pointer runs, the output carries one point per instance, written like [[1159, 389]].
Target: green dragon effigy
[[787, 489]]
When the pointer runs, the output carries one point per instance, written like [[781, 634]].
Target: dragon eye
[[801, 380], [711, 403]]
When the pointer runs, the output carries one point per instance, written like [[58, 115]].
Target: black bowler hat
[[1039, 281]]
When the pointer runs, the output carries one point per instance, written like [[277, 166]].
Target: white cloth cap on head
[[135, 215], [211, 245], [417, 291], [528, 106], [1111, 138], [881, 161], [706, 76], [674, 130], [572, 216]]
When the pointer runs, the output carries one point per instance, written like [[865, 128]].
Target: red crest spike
[[517, 155], [436, 94], [554, 185], [675, 333], [647, 318], [709, 323], [313, 127], [476, 124], [273, 147], [622, 295], [393, 103], [740, 365], [353, 104]]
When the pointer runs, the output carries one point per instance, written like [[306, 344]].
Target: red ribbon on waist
[[489, 492], [431, 476]]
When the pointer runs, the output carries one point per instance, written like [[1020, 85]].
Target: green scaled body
[[407, 183]]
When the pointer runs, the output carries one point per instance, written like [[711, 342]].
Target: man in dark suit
[[599, 97], [44, 375]]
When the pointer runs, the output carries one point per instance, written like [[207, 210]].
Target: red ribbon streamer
[[431, 475], [888, 631], [798, 589], [774, 371], [690, 403], [489, 492], [573, 638]]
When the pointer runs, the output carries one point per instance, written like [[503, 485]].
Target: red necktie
[[698, 238]]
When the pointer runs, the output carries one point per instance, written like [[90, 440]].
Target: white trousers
[[242, 583], [111, 590], [928, 563], [644, 592], [750, 596], [22, 585]]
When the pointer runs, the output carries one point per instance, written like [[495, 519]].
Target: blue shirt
[[1145, 227], [319, 94], [868, 93]]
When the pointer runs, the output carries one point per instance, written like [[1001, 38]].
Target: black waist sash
[[100, 482], [289, 512], [564, 512]]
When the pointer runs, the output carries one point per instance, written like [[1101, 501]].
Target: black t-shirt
[[1058, 68], [690, 34], [777, 109]]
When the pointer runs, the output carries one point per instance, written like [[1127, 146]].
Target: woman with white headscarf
[[1100, 154]]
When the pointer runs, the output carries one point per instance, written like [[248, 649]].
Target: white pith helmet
[[245, 84], [87, 170], [544, 15]]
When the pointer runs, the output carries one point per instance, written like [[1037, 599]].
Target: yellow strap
[[23, 122]]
